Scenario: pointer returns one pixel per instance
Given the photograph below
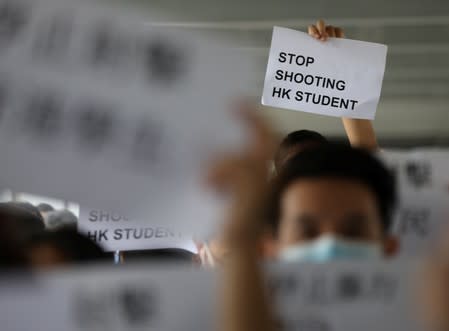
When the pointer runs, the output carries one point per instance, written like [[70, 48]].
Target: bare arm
[[359, 132], [244, 304], [243, 295]]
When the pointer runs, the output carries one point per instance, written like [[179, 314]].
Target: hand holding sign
[[322, 32]]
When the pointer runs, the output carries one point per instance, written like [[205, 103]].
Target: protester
[[313, 220], [360, 133], [328, 203], [332, 202], [63, 247]]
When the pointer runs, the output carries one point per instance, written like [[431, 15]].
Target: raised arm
[[359, 132], [244, 305]]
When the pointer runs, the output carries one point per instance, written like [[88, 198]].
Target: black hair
[[19, 222], [302, 139], [75, 247], [45, 207], [12, 246], [24, 216], [336, 161]]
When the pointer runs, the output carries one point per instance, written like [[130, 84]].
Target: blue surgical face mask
[[330, 248]]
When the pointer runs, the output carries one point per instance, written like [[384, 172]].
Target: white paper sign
[[422, 215], [346, 296], [115, 232], [110, 299], [340, 77], [111, 112], [421, 221], [419, 169], [332, 297]]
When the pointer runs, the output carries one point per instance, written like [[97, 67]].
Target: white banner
[[111, 112], [340, 77]]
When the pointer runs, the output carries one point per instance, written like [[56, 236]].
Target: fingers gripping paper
[[341, 77]]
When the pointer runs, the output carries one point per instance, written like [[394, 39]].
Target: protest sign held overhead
[[109, 111], [341, 77]]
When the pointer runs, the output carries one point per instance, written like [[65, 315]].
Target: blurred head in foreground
[[294, 143], [63, 247], [19, 222], [25, 216], [12, 247], [331, 203]]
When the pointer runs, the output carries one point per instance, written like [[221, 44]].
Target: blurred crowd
[[40, 236]]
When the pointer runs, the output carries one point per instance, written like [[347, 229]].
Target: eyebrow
[[354, 221]]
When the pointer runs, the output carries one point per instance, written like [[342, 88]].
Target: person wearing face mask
[[331, 203], [328, 203]]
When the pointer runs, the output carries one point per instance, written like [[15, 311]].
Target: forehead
[[328, 194]]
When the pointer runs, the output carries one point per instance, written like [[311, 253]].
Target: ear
[[391, 246]]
